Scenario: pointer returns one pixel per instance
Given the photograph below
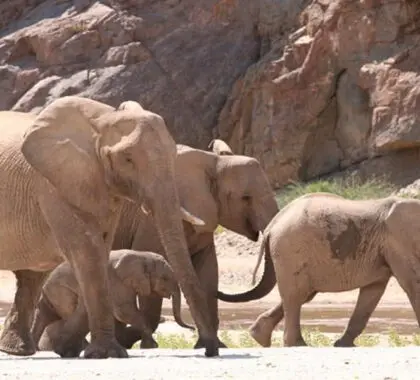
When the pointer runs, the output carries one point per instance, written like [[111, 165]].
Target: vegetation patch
[[351, 188], [313, 337]]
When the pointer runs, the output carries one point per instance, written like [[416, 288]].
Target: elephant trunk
[[266, 284], [176, 308], [168, 220]]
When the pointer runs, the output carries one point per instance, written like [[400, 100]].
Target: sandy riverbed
[[270, 363]]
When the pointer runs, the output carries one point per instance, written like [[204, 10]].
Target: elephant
[[66, 174], [131, 274], [230, 190], [220, 147], [322, 242]]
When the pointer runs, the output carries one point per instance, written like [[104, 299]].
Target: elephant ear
[[132, 271], [60, 145], [403, 224], [196, 180]]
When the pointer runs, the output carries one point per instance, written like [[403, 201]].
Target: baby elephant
[[61, 318], [325, 243]]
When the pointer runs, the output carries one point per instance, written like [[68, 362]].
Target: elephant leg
[[50, 335], [151, 307], [368, 299], [50, 340], [206, 266], [292, 331], [129, 314], [16, 338], [67, 337], [44, 316], [407, 274], [83, 245], [262, 329], [126, 335]]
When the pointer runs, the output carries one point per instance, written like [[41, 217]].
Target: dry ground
[[269, 363]]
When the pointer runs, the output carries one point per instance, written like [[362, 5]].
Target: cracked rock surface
[[307, 87]]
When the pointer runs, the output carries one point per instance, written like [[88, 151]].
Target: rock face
[[343, 90], [307, 87]]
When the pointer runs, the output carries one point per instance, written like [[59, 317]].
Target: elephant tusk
[[188, 217]]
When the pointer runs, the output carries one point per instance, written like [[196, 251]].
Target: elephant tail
[[176, 309], [266, 284]]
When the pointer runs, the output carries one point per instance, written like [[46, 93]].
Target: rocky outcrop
[[307, 87], [178, 58], [344, 90]]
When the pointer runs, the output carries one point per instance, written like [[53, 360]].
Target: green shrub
[[350, 188]]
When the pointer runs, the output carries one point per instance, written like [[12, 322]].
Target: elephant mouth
[[252, 233]]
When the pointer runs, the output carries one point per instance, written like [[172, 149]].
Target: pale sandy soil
[[379, 363]]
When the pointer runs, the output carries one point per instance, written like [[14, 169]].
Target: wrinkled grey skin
[[131, 274], [324, 243], [229, 190], [64, 175], [220, 147]]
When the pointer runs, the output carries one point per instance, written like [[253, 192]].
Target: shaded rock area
[[309, 88]]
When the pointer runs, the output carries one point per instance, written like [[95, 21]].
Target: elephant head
[[93, 153], [165, 285], [125, 152], [230, 190]]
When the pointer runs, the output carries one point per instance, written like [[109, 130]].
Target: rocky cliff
[[307, 87]]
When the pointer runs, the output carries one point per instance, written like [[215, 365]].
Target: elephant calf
[[324, 243], [131, 273]]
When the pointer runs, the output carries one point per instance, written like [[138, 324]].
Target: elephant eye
[[127, 159], [246, 198]]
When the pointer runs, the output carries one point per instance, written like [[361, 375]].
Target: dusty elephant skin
[[132, 274], [324, 243], [65, 173], [230, 190]]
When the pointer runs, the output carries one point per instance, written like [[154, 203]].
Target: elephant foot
[[69, 352], [127, 343], [162, 319], [148, 343], [69, 349], [108, 348], [201, 344], [212, 347], [127, 335], [300, 342], [261, 332], [344, 343], [13, 343]]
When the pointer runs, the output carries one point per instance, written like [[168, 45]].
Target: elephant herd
[[99, 206]]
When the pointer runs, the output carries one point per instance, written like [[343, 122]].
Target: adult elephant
[[64, 177], [230, 190]]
